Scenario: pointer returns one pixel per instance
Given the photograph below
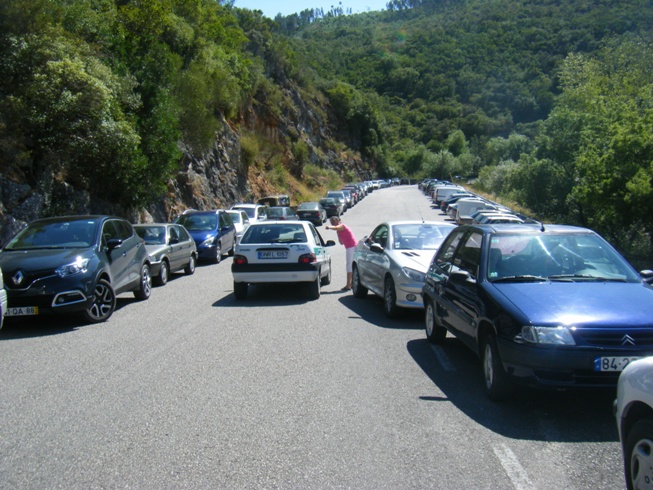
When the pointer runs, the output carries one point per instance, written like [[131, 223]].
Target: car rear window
[[274, 233]]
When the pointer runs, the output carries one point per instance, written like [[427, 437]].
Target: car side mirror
[[462, 278], [647, 276], [114, 243], [375, 247], [330, 243]]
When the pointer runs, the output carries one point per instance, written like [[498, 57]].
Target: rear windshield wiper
[[520, 279]]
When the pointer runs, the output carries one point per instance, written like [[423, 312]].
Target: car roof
[[529, 228]]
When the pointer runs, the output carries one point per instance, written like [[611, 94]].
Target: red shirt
[[346, 237]]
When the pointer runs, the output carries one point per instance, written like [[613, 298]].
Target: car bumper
[[272, 273], [207, 252], [409, 295], [559, 367]]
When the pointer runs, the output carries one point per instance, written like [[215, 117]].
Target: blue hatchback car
[[214, 233], [546, 305]]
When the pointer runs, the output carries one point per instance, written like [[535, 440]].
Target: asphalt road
[[192, 389]]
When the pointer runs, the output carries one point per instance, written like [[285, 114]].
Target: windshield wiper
[[526, 278], [584, 277]]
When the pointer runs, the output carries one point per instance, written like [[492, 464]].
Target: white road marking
[[442, 357], [515, 471]]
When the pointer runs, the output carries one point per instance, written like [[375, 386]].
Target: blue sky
[[287, 7]]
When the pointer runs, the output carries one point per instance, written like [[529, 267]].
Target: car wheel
[[435, 333], [390, 299], [638, 455], [497, 382], [164, 274], [326, 280], [314, 289], [145, 284], [218, 253], [189, 270], [104, 303], [240, 290], [357, 288]]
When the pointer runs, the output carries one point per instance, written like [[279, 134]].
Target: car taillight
[[307, 258], [240, 259]]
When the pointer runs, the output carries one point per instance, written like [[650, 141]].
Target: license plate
[[614, 364], [273, 254], [23, 311]]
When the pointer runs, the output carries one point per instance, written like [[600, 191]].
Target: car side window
[[174, 233], [380, 236], [183, 234], [316, 236], [109, 232], [444, 259], [468, 257], [125, 231]]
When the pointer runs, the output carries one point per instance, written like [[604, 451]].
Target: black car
[[171, 249], [74, 264], [550, 306], [332, 206], [313, 212]]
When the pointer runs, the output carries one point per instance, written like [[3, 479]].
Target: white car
[[3, 300], [634, 416], [281, 252], [241, 221], [392, 262], [256, 212]]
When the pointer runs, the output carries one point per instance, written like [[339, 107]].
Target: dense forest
[[547, 104]]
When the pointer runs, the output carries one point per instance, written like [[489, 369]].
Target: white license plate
[[23, 311], [614, 364], [273, 254]]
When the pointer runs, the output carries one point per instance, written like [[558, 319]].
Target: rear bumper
[[272, 273]]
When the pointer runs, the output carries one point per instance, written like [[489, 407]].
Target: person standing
[[346, 238]]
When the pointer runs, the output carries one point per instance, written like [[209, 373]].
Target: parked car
[[281, 213], [550, 306], [3, 301], [256, 212], [74, 264], [313, 212], [273, 201], [241, 221], [332, 206], [282, 252], [341, 196], [171, 249], [392, 261], [633, 409], [349, 196], [213, 231], [506, 218]]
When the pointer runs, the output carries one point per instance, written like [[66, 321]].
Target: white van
[[466, 207], [442, 193]]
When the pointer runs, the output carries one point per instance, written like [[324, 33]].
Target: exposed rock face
[[216, 179]]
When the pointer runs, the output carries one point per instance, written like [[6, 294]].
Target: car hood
[[415, 259], [200, 236], [575, 303], [43, 259]]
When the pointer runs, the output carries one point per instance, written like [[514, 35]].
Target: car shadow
[[531, 414], [370, 309], [47, 325], [267, 294]]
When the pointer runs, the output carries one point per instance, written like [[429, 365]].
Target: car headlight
[[208, 242], [414, 275], [547, 335], [78, 267]]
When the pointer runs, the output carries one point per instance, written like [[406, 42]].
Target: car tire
[[638, 454], [189, 270], [326, 280], [104, 303], [144, 284], [435, 333], [218, 253], [390, 299], [498, 385], [314, 289], [164, 274], [357, 288], [240, 290]]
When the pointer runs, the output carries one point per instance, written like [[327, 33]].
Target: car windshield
[[274, 233], [556, 257], [55, 234], [153, 235], [418, 236], [199, 222], [251, 212], [307, 206]]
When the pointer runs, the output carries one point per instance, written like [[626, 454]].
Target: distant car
[[505, 219], [273, 201], [213, 231], [3, 301], [392, 261], [256, 212], [171, 249], [241, 221], [281, 213], [550, 306], [332, 206], [282, 252], [633, 409], [342, 197], [74, 264], [313, 212]]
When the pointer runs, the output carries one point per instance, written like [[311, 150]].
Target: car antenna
[[542, 229]]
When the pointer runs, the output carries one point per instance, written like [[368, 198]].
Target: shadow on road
[[532, 414]]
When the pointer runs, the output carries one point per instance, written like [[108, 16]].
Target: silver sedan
[[392, 262]]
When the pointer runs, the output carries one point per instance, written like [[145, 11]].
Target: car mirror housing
[[114, 243], [647, 276], [330, 243], [462, 278], [375, 247]]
